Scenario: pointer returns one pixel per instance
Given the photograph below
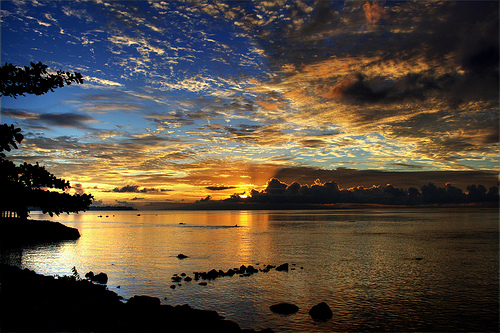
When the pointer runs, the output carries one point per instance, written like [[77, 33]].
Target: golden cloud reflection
[[155, 238]]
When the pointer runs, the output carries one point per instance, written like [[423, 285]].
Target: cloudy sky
[[184, 99]]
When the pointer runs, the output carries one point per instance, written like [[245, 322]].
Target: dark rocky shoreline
[[17, 231], [30, 302]]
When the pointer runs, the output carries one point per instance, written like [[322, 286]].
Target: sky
[[184, 99]]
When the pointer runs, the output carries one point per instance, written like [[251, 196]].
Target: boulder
[[212, 274], [251, 269], [283, 267], [321, 312], [99, 278], [284, 308]]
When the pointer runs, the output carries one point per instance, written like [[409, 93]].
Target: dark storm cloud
[[278, 192], [72, 120], [137, 189], [20, 114], [219, 188], [348, 178]]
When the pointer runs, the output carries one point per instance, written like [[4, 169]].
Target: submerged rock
[[321, 311], [284, 308]]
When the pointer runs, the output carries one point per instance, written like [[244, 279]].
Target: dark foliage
[[26, 185], [15, 81], [9, 136], [23, 186]]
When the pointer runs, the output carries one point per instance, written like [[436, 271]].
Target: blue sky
[[184, 95]]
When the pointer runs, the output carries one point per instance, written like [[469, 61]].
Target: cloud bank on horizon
[[216, 97]]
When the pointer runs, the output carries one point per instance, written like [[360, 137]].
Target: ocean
[[425, 269]]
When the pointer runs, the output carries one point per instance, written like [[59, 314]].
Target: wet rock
[[212, 274], [267, 268], [183, 274], [101, 308], [251, 270], [230, 272], [283, 267], [172, 286], [99, 278], [202, 283], [176, 278], [187, 279], [182, 256], [284, 308], [321, 312], [242, 269]]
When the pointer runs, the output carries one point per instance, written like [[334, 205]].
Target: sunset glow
[[186, 99]]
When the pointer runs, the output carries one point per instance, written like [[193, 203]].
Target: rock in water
[[283, 267], [284, 308], [101, 278], [321, 311], [182, 256]]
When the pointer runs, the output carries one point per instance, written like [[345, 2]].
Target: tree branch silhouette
[[25, 186], [16, 81]]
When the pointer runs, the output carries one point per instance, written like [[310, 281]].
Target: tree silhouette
[[9, 136], [27, 186], [15, 81]]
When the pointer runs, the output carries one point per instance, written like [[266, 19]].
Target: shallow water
[[379, 270]]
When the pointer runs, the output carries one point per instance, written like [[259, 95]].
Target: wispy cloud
[[214, 96]]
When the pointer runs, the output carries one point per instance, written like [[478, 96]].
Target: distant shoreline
[[217, 205], [111, 208], [19, 231]]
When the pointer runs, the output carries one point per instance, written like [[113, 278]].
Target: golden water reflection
[[369, 266]]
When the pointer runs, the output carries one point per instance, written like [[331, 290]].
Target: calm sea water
[[379, 270]]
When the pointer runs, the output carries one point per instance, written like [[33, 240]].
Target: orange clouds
[[337, 91], [374, 12]]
